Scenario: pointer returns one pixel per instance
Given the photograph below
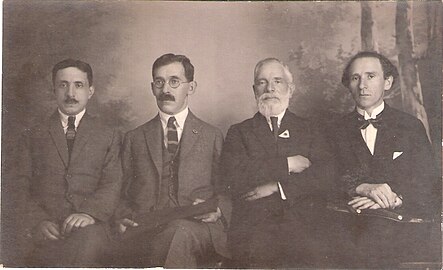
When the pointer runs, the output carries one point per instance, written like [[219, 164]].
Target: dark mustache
[[71, 101], [166, 97]]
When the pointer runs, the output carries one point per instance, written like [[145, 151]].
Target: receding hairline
[[261, 63]]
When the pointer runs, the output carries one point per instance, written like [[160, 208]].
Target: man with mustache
[[386, 161], [172, 161], [71, 171], [276, 165]]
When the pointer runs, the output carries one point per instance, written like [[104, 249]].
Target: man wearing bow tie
[[276, 165], [71, 169], [385, 161], [171, 161]]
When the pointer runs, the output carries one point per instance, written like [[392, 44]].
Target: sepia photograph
[[200, 134]]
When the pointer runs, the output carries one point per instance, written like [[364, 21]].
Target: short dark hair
[[83, 66], [170, 58], [388, 68]]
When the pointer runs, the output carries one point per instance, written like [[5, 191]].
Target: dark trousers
[[181, 243], [303, 237], [82, 248]]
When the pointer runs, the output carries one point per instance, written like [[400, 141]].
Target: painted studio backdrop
[[224, 41]]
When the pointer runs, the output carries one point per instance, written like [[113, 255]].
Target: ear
[[192, 87], [152, 88], [388, 82], [91, 91], [254, 90], [291, 88]]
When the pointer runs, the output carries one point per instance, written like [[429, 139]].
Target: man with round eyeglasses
[[172, 161]]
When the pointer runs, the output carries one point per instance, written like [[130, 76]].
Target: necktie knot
[[274, 124], [172, 135], [364, 123], [71, 122]]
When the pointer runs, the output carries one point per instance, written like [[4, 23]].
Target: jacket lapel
[[154, 140], [386, 139], [263, 133], [58, 137], [84, 130], [295, 141], [359, 146], [191, 133]]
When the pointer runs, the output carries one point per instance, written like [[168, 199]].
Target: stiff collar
[[374, 113], [180, 118], [64, 118]]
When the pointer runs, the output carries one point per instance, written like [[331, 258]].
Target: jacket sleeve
[[33, 212], [124, 209], [102, 203], [242, 170], [318, 179], [224, 202], [421, 188]]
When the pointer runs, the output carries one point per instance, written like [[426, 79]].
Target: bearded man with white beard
[[277, 169]]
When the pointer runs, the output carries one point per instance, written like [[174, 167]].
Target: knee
[[182, 227], [92, 235], [189, 233]]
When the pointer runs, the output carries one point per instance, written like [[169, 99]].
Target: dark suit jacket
[[251, 157], [90, 183], [412, 174], [200, 148]]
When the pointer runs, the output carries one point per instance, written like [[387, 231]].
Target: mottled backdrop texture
[[224, 40]]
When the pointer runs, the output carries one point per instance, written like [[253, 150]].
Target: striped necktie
[[70, 133], [172, 136]]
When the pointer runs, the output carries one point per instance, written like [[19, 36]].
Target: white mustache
[[268, 96]]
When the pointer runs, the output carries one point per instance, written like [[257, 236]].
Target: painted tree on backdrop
[[412, 95]]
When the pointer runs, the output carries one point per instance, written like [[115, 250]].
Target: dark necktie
[[365, 123], [274, 123], [70, 133], [172, 136]]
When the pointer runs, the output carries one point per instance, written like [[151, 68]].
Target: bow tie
[[364, 123]]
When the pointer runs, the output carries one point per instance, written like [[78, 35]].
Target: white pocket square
[[284, 135], [396, 155]]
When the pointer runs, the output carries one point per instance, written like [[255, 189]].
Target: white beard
[[272, 107]]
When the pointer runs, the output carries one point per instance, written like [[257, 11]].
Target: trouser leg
[[182, 244]]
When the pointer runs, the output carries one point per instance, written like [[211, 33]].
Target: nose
[[270, 87], [71, 91], [166, 88], [362, 84]]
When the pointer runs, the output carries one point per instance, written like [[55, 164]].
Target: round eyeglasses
[[173, 83]]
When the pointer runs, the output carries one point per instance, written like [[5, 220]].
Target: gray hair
[[272, 59]]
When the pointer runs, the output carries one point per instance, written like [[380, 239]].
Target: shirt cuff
[[282, 193]]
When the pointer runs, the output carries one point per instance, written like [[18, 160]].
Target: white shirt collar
[[279, 118], [64, 118], [374, 113], [180, 118]]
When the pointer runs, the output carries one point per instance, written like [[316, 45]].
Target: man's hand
[[124, 223], [209, 217], [361, 202], [297, 164], [380, 193], [47, 230], [261, 192], [78, 220]]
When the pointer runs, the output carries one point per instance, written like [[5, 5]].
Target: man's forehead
[[273, 69], [71, 73], [367, 63], [170, 70]]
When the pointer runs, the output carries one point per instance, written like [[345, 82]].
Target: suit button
[[70, 196], [68, 176]]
